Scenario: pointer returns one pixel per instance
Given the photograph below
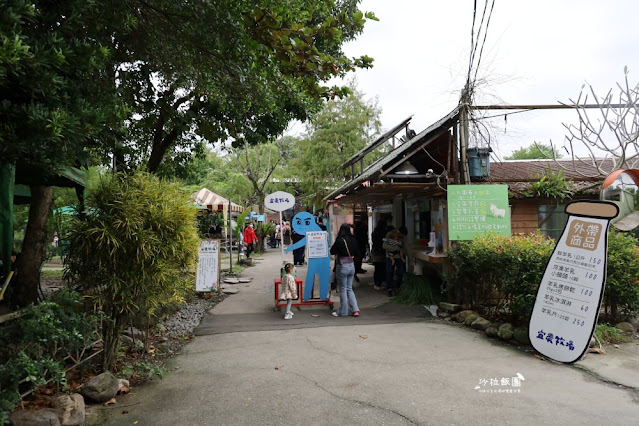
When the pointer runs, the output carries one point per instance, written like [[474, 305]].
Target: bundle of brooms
[[419, 290]]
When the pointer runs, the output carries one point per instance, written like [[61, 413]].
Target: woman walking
[[345, 249]]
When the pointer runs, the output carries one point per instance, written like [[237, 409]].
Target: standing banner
[[208, 266], [565, 313]]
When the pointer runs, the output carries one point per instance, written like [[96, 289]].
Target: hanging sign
[[208, 267], [569, 297], [317, 244], [477, 209], [279, 201]]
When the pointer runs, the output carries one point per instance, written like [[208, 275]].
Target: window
[[552, 219]]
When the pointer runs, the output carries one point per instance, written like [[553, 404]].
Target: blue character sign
[[302, 223]]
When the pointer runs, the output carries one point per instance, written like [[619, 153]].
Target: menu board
[[208, 267], [569, 296], [317, 244], [477, 209]]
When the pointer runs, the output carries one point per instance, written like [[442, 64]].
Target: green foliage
[[206, 220], [504, 272], [418, 290], [341, 129], [143, 370], [552, 185], [622, 279], [34, 346], [611, 335], [535, 151], [500, 272], [49, 63], [132, 251]]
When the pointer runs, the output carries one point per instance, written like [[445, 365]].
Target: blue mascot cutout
[[302, 223]]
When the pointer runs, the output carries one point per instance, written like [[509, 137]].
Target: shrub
[[622, 280], [502, 273], [132, 251], [33, 347]]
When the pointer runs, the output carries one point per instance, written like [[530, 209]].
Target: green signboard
[[477, 209]]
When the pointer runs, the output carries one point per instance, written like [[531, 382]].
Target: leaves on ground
[[363, 336]]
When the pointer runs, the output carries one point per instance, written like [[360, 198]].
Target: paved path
[[391, 366]]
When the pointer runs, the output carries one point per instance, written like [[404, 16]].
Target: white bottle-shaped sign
[[569, 296]]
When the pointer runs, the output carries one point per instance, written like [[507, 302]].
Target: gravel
[[189, 317]]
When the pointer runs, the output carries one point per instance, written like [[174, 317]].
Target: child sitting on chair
[[289, 289]]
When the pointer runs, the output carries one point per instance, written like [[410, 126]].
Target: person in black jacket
[[345, 249]]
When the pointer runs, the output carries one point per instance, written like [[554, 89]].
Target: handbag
[[350, 257]]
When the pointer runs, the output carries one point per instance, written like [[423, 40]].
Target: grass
[[51, 274], [417, 290], [611, 335]]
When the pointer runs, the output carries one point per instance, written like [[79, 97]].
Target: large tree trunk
[[34, 247]]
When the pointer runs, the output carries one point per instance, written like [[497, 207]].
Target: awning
[[205, 197]]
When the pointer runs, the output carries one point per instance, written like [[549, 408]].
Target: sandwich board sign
[[208, 266], [569, 297]]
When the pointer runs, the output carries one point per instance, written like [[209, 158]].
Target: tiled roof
[[532, 170]]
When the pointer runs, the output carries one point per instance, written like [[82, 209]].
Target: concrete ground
[[393, 365]]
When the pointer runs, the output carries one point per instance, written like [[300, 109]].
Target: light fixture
[[406, 168]]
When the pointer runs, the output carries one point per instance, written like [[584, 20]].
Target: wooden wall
[[523, 216]]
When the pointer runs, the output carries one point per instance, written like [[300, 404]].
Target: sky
[[536, 52]]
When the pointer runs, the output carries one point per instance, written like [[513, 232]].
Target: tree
[[52, 106], [535, 151], [134, 251], [339, 131], [206, 71], [613, 133]]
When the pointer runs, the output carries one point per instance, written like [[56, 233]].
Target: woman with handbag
[[345, 249]]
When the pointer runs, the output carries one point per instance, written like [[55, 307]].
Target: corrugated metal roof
[[390, 160], [386, 136]]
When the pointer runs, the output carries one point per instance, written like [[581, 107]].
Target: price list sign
[[208, 267], [567, 305], [476, 209], [317, 244]]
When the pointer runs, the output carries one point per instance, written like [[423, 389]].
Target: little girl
[[289, 289]]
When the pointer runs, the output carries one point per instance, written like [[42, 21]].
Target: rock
[[101, 388], [461, 316], [230, 290], [634, 322], [70, 409], [491, 330], [231, 280], [450, 307], [454, 317], [127, 341], [505, 331], [443, 314], [34, 418], [245, 280], [625, 326], [520, 334], [470, 318], [480, 324], [134, 333], [593, 342], [123, 383]]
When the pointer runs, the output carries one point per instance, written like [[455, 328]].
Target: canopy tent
[[14, 189], [205, 197]]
